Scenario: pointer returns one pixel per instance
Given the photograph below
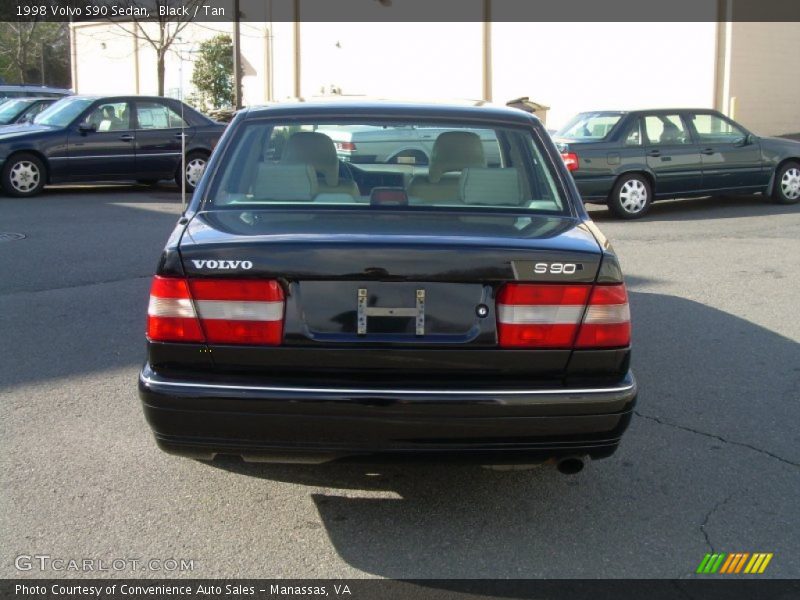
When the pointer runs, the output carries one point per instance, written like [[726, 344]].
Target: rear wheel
[[787, 184], [631, 196], [24, 175], [192, 170]]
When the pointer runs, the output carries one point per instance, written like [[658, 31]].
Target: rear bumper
[[315, 424]]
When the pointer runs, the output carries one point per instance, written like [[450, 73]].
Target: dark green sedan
[[629, 159]]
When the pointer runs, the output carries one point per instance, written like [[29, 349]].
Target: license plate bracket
[[365, 311]]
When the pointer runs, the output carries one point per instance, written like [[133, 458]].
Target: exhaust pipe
[[570, 465]]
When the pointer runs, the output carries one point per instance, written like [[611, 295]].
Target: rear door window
[[154, 115], [666, 130], [633, 137]]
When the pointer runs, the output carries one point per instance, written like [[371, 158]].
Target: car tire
[[786, 189], [631, 197], [24, 175], [195, 165]]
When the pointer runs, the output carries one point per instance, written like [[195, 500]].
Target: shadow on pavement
[[73, 295], [697, 209], [719, 404]]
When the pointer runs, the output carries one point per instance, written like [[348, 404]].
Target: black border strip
[[409, 11], [730, 588]]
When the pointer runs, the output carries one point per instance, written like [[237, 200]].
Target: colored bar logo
[[734, 563]]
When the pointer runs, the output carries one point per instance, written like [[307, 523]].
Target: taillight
[[607, 323], [349, 146], [557, 316], [571, 160], [222, 311], [171, 316], [540, 316]]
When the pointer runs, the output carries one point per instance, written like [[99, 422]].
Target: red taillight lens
[[557, 316], [540, 316], [240, 311], [349, 146], [218, 311], [571, 161], [171, 316], [607, 323]]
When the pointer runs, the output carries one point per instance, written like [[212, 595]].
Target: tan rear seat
[[452, 152]]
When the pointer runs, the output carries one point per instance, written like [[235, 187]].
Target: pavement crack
[[704, 524], [717, 437]]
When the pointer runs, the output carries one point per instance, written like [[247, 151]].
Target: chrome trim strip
[[129, 155], [256, 388]]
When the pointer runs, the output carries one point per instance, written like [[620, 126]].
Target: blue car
[[119, 138], [22, 110]]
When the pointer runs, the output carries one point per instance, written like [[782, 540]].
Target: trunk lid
[[359, 279]]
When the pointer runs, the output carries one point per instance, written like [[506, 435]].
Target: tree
[[161, 30], [34, 52], [213, 73]]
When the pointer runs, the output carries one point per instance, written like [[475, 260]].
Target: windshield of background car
[[10, 109], [62, 112], [589, 126], [375, 164]]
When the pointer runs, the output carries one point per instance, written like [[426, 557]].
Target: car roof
[[124, 97], [35, 99], [34, 88], [640, 111], [470, 110]]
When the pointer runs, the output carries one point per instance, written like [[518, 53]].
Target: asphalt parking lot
[[711, 461]]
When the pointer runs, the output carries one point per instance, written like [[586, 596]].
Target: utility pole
[[297, 62], [237, 58], [42, 64], [487, 50]]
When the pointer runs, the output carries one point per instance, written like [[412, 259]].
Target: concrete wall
[[573, 67], [743, 67], [763, 85]]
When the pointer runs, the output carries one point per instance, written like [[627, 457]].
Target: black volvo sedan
[[89, 138], [629, 159], [308, 309]]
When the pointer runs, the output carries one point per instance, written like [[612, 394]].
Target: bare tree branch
[[167, 35]]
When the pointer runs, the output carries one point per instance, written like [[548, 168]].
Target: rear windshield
[[376, 164], [589, 126]]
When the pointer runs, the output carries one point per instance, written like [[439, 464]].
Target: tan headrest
[[289, 183], [316, 149], [454, 151]]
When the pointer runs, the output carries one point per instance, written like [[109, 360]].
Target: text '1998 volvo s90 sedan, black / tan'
[[308, 309]]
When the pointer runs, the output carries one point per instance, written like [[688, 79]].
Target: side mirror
[[745, 141], [87, 127]]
